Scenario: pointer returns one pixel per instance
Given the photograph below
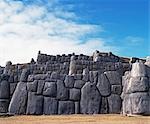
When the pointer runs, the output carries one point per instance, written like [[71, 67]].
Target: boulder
[[137, 84], [90, 99], [79, 84], [115, 103], [66, 107], [69, 81], [103, 85], [40, 87], [75, 94], [19, 99], [50, 89], [32, 86], [50, 106], [35, 104], [62, 91], [4, 89], [114, 77]]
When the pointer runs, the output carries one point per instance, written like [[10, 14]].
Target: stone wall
[[68, 84]]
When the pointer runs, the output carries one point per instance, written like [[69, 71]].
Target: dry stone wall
[[75, 84]]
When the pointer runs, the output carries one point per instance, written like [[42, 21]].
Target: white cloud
[[26, 29]]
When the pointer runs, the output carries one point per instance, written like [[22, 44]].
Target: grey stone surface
[[137, 84], [35, 104], [32, 86], [4, 103], [50, 89], [113, 77], [103, 85], [19, 99], [12, 88], [77, 107], [40, 87], [138, 69], [104, 106], [75, 94], [66, 107], [90, 99], [115, 103], [62, 91], [79, 84], [69, 81], [116, 89], [50, 106], [4, 89], [24, 75]]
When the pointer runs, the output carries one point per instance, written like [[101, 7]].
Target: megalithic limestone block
[[19, 99], [90, 99], [136, 99]]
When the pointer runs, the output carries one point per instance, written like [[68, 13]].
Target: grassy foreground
[[75, 119]]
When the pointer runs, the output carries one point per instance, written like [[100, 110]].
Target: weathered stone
[[115, 102], [90, 99], [91, 77], [85, 74], [30, 78], [104, 106], [77, 107], [75, 94], [72, 67], [113, 77], [138, 69], [24, 75], [4, 103], [103, 85], [40, 87], [69, 81], [12, 88], [35, 104], [137, 84], [40, 77], [32, 86], [137, 103], [4, 89], [62, 91], [19, 99], [50, 106], [116, 89], [50, 89], [54, 75], [66, 107], [78, 76], [11, 78], [79, 84]]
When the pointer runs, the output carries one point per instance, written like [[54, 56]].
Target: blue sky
[[65, 26]]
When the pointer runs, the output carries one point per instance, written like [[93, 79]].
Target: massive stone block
[[50, 89], [35, 104], [40, 87], [116, 89], [79, 84], [69, 81], [32, 86], [90, 99], [62, 91], [50, 106], [4, 89], [113, 77], [19, 99], [66, 107], [115, 103], [104, 106], [75, 94], [103, 85], [24, 75]]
